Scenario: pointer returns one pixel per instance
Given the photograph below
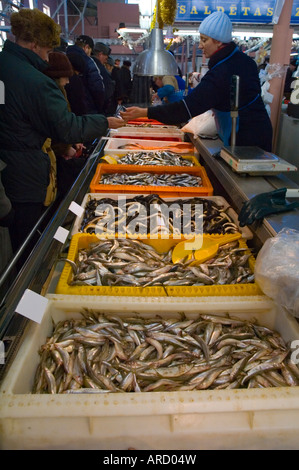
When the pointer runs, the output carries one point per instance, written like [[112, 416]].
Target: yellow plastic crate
[[80, 241]]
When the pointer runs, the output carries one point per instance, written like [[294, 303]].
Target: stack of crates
[[240, 418]]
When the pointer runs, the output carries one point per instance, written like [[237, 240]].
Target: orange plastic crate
[[205, 190], [139, 121]]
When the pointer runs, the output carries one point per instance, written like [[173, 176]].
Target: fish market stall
[[136, 349]]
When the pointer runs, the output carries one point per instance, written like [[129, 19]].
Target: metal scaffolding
[[65, 8], [64, 5], [8, 7]]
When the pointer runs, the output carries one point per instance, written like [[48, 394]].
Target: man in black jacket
[[92, 78], [100, 55], [126, 81]]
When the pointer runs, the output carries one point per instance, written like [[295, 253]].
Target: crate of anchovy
[[101, 264], [165, 158], [156, 213], [150, 179], [141, 373]]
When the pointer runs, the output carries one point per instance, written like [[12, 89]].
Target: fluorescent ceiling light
[[132, 30]]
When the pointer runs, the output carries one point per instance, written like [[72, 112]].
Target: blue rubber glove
[[265, 204]]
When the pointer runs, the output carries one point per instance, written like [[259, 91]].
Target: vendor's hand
[[265, 204], [115, 123], [133, 112]]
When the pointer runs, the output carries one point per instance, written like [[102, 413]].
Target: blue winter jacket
[[93, 82], [213, 92]]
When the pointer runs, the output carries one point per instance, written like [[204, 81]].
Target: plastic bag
[[202, 125], [277, 269]]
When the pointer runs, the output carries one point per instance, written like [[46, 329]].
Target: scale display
[[254, 161]]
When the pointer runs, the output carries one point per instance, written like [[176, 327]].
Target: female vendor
[[213, 92]]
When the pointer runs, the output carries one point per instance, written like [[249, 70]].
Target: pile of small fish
[[151, 179], [155, 158], [129, 262], [104, 353], [215, 218]]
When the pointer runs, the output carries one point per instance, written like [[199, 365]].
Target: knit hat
[[101, 47], [217, 26], [59, 66]]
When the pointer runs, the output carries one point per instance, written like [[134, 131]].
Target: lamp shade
[[155, 60]]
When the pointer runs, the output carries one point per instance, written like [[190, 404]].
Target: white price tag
[[32, 306], [61, 234], [76, 209]]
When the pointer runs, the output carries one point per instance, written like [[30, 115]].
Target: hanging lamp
[[155, 60]]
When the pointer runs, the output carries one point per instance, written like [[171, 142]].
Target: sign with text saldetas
[[244, 11]]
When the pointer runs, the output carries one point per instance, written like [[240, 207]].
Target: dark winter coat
[[115, 75], [34, 110], [75, 91], [93, 82], [109, 88], [126, 83], [214, 92]]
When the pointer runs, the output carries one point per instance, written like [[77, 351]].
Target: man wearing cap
[[126, 81], [92, 77], [34, 110], [100, 55], [213, 92]]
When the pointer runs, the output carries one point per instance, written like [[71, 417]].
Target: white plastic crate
[[246, 233], [143, 132], [113, 145], [203, 419]]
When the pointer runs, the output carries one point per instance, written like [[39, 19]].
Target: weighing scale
[[250, 160]]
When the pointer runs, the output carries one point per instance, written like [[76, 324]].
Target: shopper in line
[[117, 63], [114, 99], [167, 89], [289, 79], [75, 89], [92, 78], [109, 65], [34, 109], [126, 81], [68, 163], [100, 55], [116, 77], [213, 92]]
